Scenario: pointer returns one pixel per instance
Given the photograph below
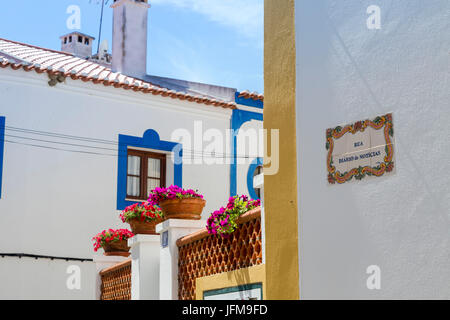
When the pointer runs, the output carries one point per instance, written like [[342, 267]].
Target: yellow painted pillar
[[280, 190]]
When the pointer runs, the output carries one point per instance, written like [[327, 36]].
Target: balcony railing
[[116, 282], [202, 254]]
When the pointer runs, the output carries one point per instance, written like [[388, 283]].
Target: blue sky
[[212, 41]]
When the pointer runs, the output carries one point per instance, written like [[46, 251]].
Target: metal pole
[[100, 31]]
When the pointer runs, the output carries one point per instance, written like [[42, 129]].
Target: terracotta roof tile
[[251, 95], [32, 58]]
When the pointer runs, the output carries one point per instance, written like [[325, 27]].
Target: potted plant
[[142, 217], [223, 221], [177, 203], [113, 242]]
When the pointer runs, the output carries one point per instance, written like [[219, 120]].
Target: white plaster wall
[[27, 278], [53, 202], [345, 73]]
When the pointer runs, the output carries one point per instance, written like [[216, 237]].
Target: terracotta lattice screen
[[116, 282], [201, 254]]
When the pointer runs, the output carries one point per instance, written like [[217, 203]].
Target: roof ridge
[[43, 61], [37, 47]]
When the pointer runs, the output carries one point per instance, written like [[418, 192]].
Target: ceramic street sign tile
[[360, 150]]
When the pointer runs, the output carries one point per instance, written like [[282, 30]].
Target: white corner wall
[[346, 73]]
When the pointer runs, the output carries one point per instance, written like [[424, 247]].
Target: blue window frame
[[238, 118], [150, 140]]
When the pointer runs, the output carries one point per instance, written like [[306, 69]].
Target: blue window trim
[[238, 118], [248, 101], [251, 170], [2, 149], [150, 140]]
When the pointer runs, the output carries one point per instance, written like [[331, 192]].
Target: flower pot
[[143, 227], [117, 248], [188, 208]]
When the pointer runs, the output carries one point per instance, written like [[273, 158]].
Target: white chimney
[[78, 44], [129, 46]]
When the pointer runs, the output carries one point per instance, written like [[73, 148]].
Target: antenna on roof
[[100, 28], [103, 51]]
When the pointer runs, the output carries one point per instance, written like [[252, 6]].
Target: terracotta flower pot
[[117, 248], [142, 227], [189, 208]]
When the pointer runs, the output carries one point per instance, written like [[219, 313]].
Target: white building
[[76, 136]]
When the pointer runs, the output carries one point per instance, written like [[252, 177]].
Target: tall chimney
[[129, 45]]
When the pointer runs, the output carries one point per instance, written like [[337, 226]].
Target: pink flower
[[223, 221], [173, 192], [110, 235]]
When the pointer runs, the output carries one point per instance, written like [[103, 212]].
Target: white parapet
[[144, 267], [171, 230], [258, 181], [103, 262]]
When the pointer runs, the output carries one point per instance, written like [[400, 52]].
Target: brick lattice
[[204, 255], [116, 282]]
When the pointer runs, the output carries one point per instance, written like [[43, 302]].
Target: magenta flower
[[173, 192], [223, 221]]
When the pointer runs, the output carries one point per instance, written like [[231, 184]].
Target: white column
[[144, 267], [103, 262], [172, 230]]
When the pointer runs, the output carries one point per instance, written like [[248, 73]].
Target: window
[[80, 39], [65, 40], [160, 149], [86, 41], [145, 171], [70, 38]]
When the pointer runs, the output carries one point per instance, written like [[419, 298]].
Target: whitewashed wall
[[53, 202], [28, 278], [346, 73]]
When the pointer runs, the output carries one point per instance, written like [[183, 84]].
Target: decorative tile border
[[379, 123]]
